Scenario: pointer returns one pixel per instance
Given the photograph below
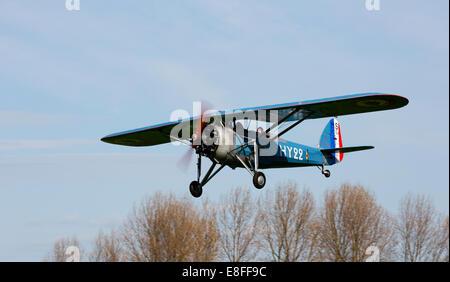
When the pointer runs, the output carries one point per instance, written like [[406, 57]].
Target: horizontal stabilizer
[[346, 149]]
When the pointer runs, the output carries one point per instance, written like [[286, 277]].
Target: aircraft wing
[[311, 109], [145, 136], [332, 107]]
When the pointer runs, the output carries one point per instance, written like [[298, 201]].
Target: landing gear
[[259, 180], [196, 189], [326, 172]]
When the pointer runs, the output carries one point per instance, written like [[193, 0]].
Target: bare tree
[[285, 221], [422, 231], [349, 222], [165, 228], [445, 239], [58, 253], [283, 225], [439, 247], [238, 224], [107, 248], [206, 234], [415, 226]]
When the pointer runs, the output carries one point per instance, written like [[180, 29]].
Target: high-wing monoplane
[[221, 136]]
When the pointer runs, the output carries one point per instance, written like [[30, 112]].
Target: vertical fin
[[331, 138]]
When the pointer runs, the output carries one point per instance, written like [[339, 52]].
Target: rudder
[[331, 138]]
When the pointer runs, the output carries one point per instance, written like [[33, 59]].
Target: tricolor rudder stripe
[[331, 138], [337, 140]]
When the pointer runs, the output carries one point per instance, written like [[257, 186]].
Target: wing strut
[[283, 119], [243, 146], [292, 126]]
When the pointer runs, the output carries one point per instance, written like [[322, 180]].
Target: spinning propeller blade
[[199, 125], [185, 160]]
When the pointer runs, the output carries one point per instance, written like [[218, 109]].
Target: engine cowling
[[218, 141]]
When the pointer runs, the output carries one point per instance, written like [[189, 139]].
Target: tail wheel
[[196, 189], [259, 180], [327, 173]]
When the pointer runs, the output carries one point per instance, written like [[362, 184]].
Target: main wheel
[[327, 173], [259, 180], [196, 189]]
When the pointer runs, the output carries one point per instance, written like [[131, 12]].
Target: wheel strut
[[196, 187], [199, 167], [325, 172]]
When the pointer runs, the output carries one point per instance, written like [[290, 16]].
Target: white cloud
[[21, 118], [188, 83], [75, 218], [27, 144], [72, 218], [422, 27], [247, 15]]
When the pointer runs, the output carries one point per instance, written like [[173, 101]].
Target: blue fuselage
[[292, 154], [288, 154]]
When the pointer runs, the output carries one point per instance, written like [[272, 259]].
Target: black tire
[[259, 180], [196, 189], [327, 173]]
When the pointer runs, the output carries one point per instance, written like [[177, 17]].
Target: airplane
[[221, 137]]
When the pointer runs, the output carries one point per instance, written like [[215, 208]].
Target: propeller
[[185, 160], [199, 125]]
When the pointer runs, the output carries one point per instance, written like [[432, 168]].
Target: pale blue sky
[[69, 78]]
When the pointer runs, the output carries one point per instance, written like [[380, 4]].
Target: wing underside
[[312, 109]]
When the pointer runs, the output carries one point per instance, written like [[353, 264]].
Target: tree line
[[284, 224]]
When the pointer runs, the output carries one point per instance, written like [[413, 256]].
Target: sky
[[68, 78]]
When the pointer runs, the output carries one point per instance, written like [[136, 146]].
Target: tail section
[[331, 139], [347, 149], [331, 143]]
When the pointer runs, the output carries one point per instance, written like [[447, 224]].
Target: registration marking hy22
[[293, 152]]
